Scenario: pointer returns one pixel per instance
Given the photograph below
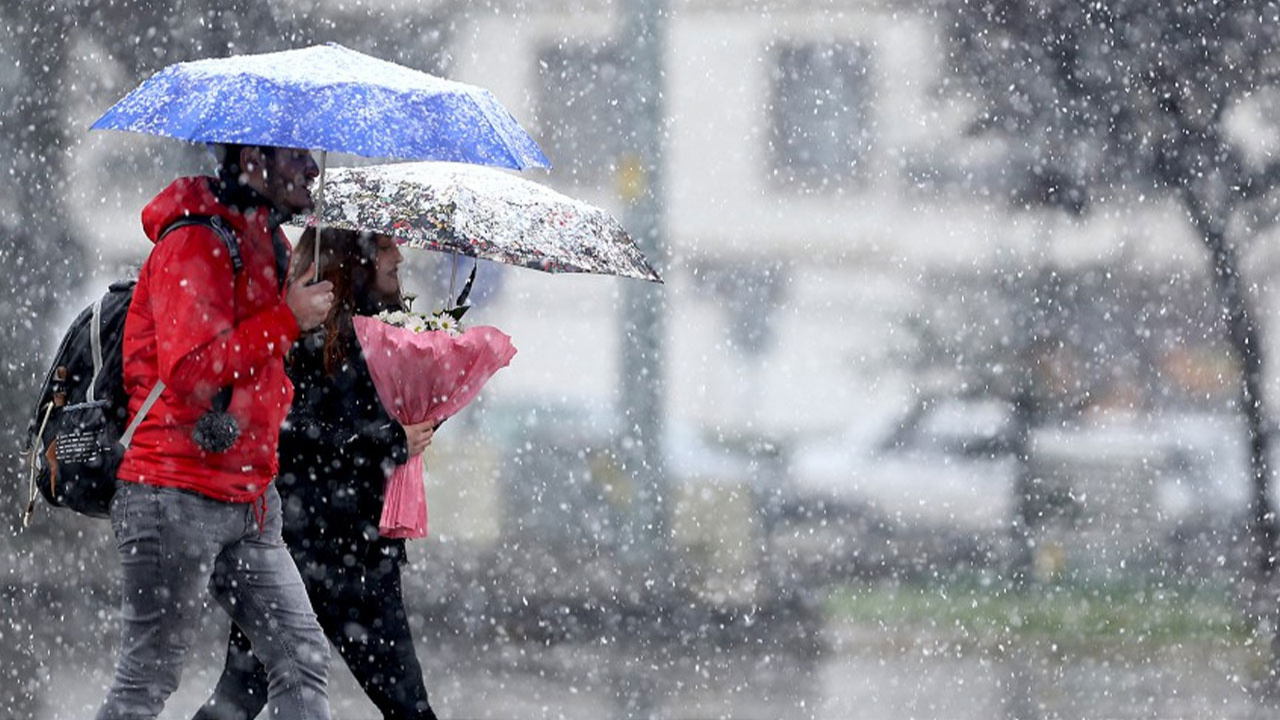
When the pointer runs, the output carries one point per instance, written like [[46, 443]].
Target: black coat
[[337, 448]]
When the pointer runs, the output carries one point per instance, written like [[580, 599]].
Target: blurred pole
[[641, 384]]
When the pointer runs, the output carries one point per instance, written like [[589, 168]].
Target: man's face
[[282, 176]]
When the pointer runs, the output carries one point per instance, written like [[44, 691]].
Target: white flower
[[399, 318], [417, 322], [446, 323]]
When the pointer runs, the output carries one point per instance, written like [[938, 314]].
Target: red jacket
[[186, 327]]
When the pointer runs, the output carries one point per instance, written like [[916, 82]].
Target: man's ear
[[251, 160]]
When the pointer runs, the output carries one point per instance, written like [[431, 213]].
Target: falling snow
[[957, 400]]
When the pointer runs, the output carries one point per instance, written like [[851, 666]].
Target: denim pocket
[[269, 516]]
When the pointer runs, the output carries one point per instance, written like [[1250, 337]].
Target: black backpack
[[78, 433]]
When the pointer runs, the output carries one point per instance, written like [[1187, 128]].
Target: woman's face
[[386, 271]]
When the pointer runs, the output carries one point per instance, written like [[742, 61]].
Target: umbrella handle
[[319, 214]]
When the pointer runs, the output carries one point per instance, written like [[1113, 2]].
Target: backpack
[[78, 433]]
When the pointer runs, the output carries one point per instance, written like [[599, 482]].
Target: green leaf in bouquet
[[466, 289]]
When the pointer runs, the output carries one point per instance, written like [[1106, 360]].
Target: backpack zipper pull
[[60, 386]]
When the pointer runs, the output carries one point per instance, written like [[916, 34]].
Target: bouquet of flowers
[[425, 368]]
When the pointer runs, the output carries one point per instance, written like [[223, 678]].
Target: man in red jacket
[[187, 516]]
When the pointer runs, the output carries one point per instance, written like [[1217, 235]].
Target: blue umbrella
[[327, 98]]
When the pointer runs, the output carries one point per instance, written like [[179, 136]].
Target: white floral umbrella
[[483, 213]]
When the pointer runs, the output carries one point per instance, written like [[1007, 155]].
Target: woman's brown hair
[[348, 259]]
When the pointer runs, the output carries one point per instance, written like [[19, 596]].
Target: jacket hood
[[184, 196], [202, 195]]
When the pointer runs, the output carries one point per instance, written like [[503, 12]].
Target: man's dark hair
[[228, 156]]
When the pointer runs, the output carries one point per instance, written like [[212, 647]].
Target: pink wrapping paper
[[420, 377]]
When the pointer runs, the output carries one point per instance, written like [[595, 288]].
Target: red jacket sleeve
[[200, 346]]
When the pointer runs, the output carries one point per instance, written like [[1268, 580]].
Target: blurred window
[[821, 114], [582, 124]]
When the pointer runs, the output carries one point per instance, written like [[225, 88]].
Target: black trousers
[[362, 612]]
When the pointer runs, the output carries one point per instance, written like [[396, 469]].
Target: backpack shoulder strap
[[222, 400], [95, 347], [219, 227], [152, 397]]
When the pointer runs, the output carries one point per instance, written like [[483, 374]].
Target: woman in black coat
[[336, 450]]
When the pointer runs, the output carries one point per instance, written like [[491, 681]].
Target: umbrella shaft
[[319, 213], [453, 280]]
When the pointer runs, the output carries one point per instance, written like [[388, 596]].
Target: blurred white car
[[935, 466]]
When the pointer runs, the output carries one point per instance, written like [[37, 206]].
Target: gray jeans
[[173, 544]]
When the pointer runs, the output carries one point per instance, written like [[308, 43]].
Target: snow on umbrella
[[482, 213], [327, 98]]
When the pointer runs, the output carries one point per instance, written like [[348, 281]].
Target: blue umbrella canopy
[[328, 98]]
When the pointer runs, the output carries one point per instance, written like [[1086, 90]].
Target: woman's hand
[[418, 437]]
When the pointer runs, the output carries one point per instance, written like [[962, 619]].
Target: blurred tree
[[37, 255], [1119, 99]]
